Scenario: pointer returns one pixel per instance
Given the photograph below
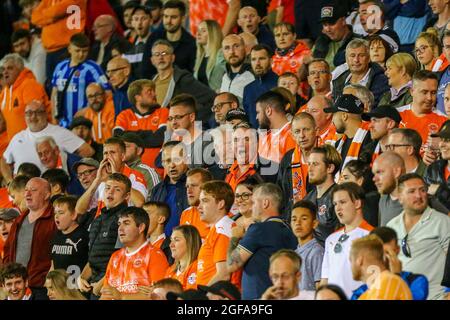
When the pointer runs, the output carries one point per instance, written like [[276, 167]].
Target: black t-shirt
[[201, 75], [70, 249]]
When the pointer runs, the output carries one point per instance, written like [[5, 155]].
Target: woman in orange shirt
[[185, 244]]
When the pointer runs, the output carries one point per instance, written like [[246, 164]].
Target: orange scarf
[[299, 175], [355, 146]]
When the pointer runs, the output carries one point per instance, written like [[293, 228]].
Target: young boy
[[303, 223], [159, 213], [70, 245]]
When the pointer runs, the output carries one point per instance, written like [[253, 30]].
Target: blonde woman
[[427, 49], [210, 63], [399, 71], [57, 282]]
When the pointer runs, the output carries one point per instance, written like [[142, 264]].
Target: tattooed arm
[[237, 256]]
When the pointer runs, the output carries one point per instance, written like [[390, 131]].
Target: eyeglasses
[[36, 113], [218, 106], [341, 240], [318, 72], [108, 72], [421, 49], [85, 173], [177, 118], [391, 147], [162, 54], [405, 247], [95, 95], [244, 196]]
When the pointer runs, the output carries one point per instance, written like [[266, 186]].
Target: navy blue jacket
[[265, 36], [253, 90], [74, 187], [120, 98]]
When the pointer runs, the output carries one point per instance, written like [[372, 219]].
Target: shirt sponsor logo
[[322, 210]]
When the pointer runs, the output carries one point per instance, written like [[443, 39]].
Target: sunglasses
[[341, 240], [405, 247]]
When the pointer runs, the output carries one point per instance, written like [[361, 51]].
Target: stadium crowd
[[225, 149]]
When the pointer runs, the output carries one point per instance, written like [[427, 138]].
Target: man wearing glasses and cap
[[423, 234], [348, 201]]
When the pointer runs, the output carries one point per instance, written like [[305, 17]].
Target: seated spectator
[[57, 284], [348, 200], [119, 74], [123, 274], [252, 252], [82, 127], [209, 63], [173, 32], [100, 111], [184, 82], [249, 21], [19, 89], [367, 254], [29, 240], [360, 71], [238, 72], [444, 74], [363, 94], [418, 248], [379, 50], [249, 42], [156, 7], [319, 77], [440, 12], [330, 292], [14, 281], [224, 102], [70, 244], [71, 78], [291, 82], [128, 9], [282, 263], [162, 287], [221, 290], [243, 203], [16, 190], [303, 223], [185, 245], [58, 180], [158, 213], [29, 47], [266, 79], [324, 121], [427, 49], [7, 217]]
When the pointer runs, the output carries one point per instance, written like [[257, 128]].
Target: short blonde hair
[[136, 87], [372, 244], [404, 60]]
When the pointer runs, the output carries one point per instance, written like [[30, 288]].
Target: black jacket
[[378, 82], [435, 174], [185, 52], [95, 50]]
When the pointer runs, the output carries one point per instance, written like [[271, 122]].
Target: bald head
[[37, 194], [250, 41], [249, 19], [118, 71], [386, 169], [391, 159], [104, 27], [316, 106], [233, 48]]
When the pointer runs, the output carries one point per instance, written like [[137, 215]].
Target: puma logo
[[69, 241]]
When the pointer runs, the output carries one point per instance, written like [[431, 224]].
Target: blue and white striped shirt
[[75, 97]]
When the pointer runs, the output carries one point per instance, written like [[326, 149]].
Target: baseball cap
[[223, 288], [444, 132], [86, 161], [9, 214], [382, 112], [236, 114], [331, 12], [132, 138], [190, 294], [80, 121], [346, 103]]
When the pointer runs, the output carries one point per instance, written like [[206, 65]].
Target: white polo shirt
[[336, 267], [22, 147]]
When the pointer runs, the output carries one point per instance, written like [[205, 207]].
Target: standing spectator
[[82, 127], [250, 21], [336, 34], [367, 255], [21, 147], [29, 239], [156, 7], [418, 248], [266, 79], [20, 89], [105, 38], [252, 251], [284, 272], [209, 63], [172, 81], [290, 54], [271, 116], [238, 72], [348, 200], [146, 118], [303, 222], [171, 189], [57, 28], [128, 9], [182, 42], [120, 77], [323, 164], [29, 47], [71, 78], [441, 9], [124, 274], [100, 111], [216, 199], [14, 281], [195, 178], [361, 71], [243, 203]]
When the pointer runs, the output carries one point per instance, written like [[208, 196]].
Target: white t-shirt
[[304, 295], [336, 267], [22, 147]]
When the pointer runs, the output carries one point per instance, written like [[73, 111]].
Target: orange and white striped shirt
[[387, 286]]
